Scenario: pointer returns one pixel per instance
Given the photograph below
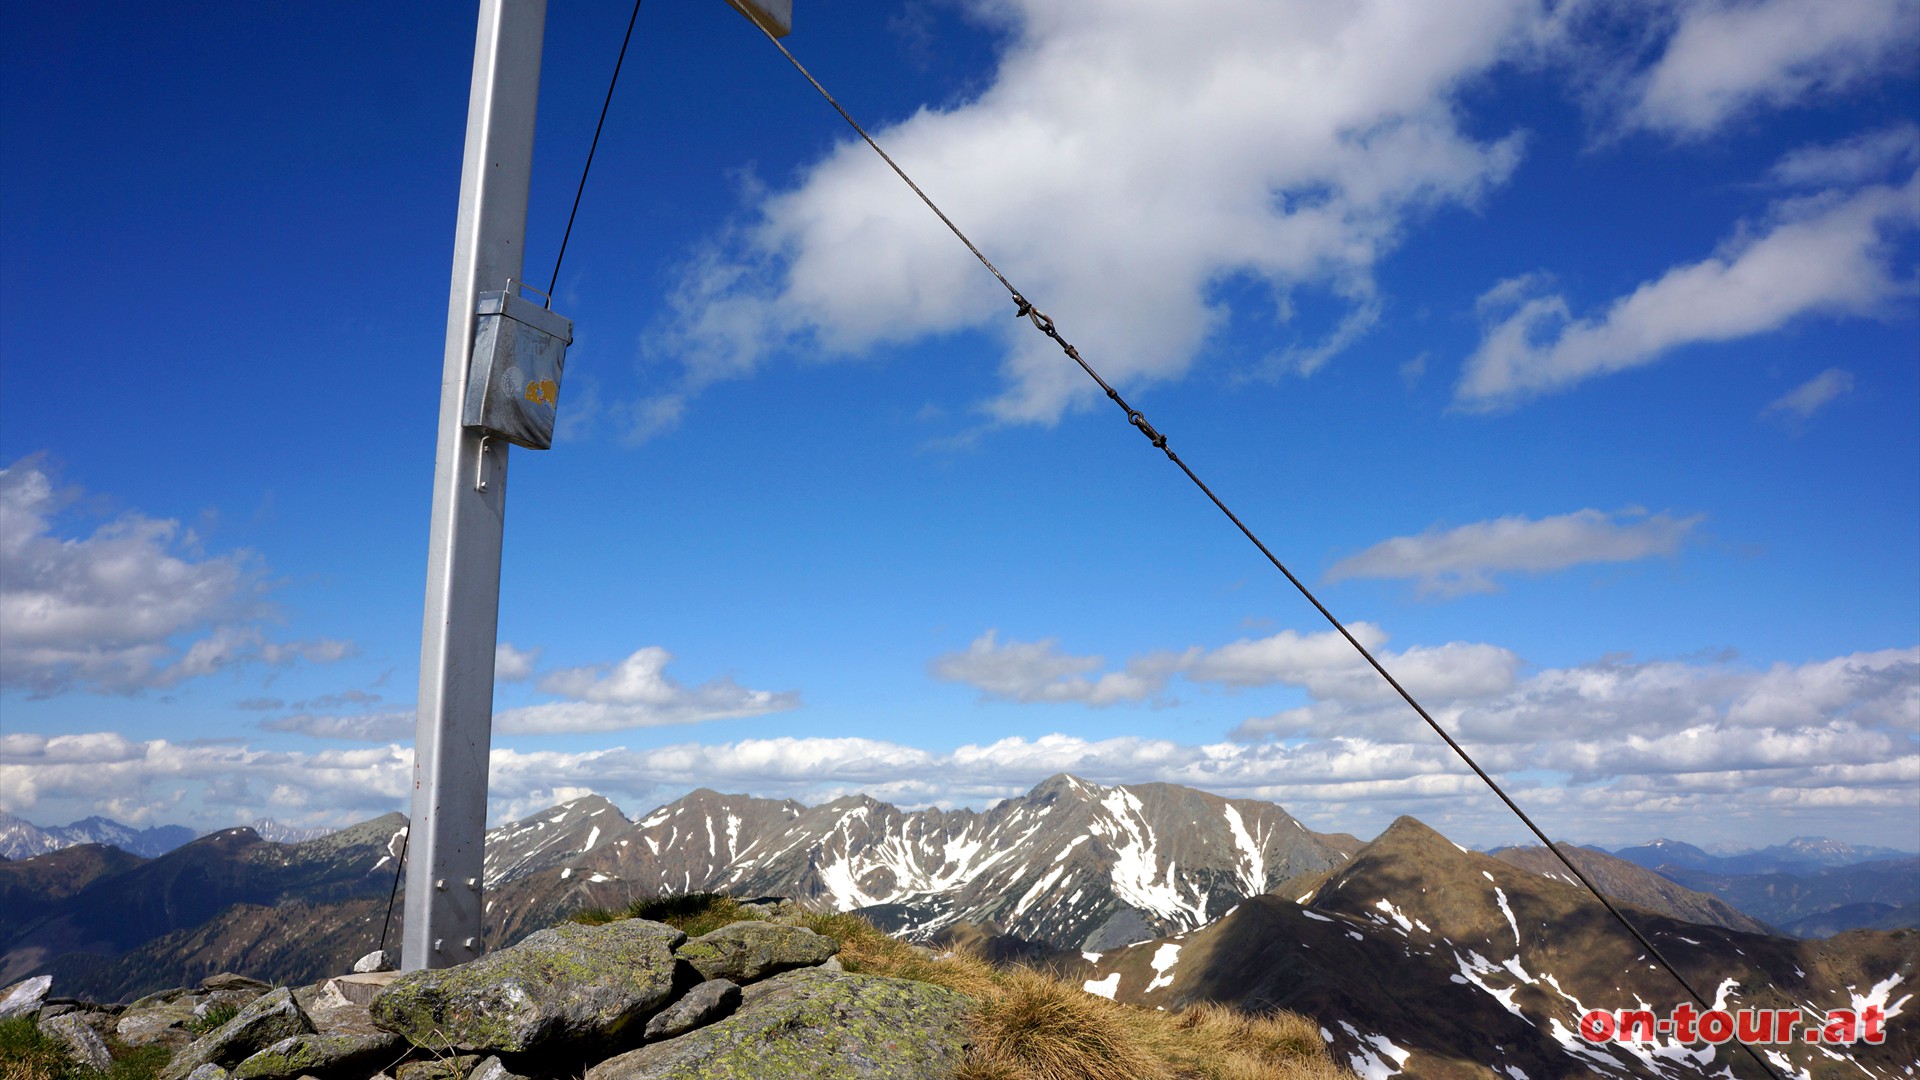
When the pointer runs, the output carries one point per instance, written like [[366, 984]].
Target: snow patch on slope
[[1164, 959]]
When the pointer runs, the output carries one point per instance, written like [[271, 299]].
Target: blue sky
[[1568, 350]]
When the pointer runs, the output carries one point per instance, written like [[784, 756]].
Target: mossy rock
[[746, 951], [568, 984], [266, 1020], [323, 1055], [457, 1067], [817, 1025]]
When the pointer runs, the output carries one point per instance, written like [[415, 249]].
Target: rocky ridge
[[1423, 959], [628, 1000], [1629, 883], [21, 839], [1072, 863]]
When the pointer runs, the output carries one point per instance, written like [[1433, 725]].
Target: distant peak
[[1066, 784], [591, 802]]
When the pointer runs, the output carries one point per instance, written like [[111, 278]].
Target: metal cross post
[[453, 734], [454, 731]]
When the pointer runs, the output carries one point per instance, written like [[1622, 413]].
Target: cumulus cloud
[[1295, 152], [1823, 254], [513, 665], [1610, 750], [1292, 150], [1612, 716], [1729, 57], [1323, 663], [635, 693], [139, 781], [386, 726], [133, 605], [1861, 159], [1797, 405], [1038, 671], [1467, 558]]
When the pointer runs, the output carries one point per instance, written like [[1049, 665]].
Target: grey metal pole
[[458, 634]]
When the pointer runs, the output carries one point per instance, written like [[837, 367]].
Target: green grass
[[215, 1017], [691, 913], [137, 1062], [28, 1054]]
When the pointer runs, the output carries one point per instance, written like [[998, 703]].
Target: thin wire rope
[[593, 146], [398, 864], [1045, 325]]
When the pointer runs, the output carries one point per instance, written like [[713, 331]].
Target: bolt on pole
[[454, 730]]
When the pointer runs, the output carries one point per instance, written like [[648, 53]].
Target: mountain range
[[1409, 948], [1800, 855], [1423, 959], [21, 839]]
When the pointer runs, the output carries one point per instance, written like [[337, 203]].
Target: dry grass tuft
[[1216, 1042], [1029, 1025], [866, 949], [1034, 1027]]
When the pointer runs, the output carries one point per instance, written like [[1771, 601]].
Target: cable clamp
[[1159, 441]]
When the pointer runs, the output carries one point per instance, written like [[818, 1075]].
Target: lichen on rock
[[571, 983], [747, 951], [266, 1020], [84, 1043], [322, 1055], [815, 1024], [705, 1003], [456, 1067]]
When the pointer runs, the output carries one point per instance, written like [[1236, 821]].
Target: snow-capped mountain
[[276, 832], [1071, 863], [551, 837], [1418, 957], [1421, 959], [21, 839], [105, 922], [1800, 855]]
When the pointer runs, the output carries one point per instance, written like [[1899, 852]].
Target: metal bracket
[[482, 470]]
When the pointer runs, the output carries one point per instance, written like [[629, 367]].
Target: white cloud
[[1295, 151], [1727, 57], [1801, 402], [1323, 663], [1826, 254], [513, 665], [1465, 559], [1039, 671], [388, 726], [1611, 718], [1616, 751], [1329, 668], [1862, 159], [635, 693], [134, 605], [1126, 157], [208, 785]]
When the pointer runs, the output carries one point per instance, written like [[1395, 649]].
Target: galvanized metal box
[[775, 16], [513, 383]]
